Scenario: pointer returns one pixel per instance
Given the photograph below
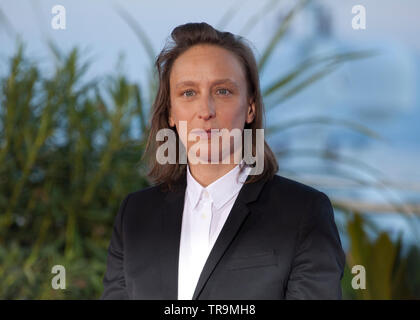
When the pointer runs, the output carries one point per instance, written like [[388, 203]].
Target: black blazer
[[280, 241]]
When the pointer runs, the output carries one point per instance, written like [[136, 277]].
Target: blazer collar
[[171, 227]]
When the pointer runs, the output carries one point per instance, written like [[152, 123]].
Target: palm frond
[[280, 32]]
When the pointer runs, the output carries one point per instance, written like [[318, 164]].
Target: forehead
[[205, 62]]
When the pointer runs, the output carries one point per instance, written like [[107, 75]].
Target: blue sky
[[382, 93], [388, 84], [95, 24]]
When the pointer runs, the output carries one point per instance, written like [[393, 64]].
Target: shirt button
[[206, 194]]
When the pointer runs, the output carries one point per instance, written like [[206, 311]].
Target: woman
[[213, 227]]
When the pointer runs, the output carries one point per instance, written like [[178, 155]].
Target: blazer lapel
[[240, 210], [171, 235]]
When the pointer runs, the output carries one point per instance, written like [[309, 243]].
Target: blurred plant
[[390, 274], [68, 157], [70, 151]]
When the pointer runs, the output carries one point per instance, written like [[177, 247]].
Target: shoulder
[[299, 206], [145, 195], [280, 191], [292, 187], [139, 204]]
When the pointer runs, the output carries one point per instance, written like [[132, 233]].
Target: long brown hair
[[184, 37]]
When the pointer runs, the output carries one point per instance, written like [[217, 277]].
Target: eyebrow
[[215, 82]]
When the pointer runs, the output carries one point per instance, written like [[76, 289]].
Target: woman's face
[[208, 90]]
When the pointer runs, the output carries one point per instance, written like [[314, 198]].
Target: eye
[[225, 91], [187, 91]]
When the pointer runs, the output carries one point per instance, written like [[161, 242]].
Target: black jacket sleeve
[[318, 264], [114, 281]]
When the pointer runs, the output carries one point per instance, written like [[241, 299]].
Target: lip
[[205, 135]]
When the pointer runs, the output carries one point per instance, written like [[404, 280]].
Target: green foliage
[[68, 158], [390, 274], [70, 152]]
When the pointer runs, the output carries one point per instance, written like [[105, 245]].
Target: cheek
[[179, 113], [234, 118]]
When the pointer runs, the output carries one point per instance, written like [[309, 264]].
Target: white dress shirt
[[205, 212]]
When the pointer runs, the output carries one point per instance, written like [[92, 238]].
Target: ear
[[251, 112]]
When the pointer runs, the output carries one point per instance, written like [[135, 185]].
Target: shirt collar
[[221, 190]]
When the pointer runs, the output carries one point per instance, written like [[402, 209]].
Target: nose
[[207, 110]]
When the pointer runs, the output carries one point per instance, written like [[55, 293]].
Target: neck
[[205, 174]]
